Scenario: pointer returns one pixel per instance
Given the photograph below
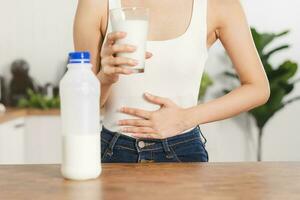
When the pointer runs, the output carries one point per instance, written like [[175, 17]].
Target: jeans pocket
[[175, 155], [190, 151], [118, 154]]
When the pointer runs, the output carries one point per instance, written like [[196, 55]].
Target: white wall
[[41, 32], [38, 31]]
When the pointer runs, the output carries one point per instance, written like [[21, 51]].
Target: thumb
[[157, 100]]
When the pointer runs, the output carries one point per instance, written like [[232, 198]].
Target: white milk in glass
[[80, 96], [136, 28]]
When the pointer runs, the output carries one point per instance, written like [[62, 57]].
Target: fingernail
[[128, 46], [122, 33], [128, 71], [135, 62]]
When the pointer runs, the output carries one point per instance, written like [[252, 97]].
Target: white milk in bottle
[[80, 113]]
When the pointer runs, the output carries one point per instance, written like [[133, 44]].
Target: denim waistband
[[124, 141]]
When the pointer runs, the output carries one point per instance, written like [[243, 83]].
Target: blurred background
[[35, 37]]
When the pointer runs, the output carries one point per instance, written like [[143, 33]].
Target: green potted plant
[[280, 78], [39, 101]]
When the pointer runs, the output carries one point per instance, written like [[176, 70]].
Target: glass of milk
[[135, 22]]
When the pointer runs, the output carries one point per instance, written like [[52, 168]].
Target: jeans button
[[141, 144]]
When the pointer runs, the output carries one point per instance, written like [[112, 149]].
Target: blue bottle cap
[[79, 57]]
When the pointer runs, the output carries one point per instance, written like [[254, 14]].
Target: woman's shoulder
[[224, 11], [96, 7]]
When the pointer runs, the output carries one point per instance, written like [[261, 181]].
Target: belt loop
[[112, 143], [201, 134], [198, 126], [167, 148], [137, 145]]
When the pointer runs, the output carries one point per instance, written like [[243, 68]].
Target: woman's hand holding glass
[[112, 65]]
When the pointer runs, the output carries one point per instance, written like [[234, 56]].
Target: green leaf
[[282, 33], [288, 88], [260, 115], [276, 97], [268, 67], [271, 52], [30, 92], [262, 40], [206, 82], [231, 75], [36, 100], [263, 113], [289, 69], [285, 71], [22, 103]]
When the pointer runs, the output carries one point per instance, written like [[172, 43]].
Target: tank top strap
[[198, 24], [114, 4]]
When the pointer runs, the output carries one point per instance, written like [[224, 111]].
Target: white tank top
[[174, 71]]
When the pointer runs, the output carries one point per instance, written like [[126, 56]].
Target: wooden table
[[156, 181]]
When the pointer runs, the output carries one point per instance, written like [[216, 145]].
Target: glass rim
[[130, 8]]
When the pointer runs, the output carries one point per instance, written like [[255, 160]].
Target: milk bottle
[[80, 96]]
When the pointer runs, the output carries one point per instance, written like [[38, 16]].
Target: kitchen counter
[[13, 113], [156, 181]]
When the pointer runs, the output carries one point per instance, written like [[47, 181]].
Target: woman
[[154, 116]]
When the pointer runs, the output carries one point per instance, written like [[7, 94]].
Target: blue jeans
[[119, 148]]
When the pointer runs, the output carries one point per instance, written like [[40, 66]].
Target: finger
[[117, 48], [136, 112], [116, 70], [135, 122], [148, 55], [112, 37], [122, 61], [157, 100], [146, 130]]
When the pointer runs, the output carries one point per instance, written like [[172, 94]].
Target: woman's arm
[[89, 31], [235, 35], [234, 32], [89, 26]]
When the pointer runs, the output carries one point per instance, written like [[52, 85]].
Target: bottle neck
[[79, 66]]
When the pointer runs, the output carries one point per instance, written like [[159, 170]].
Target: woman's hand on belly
[[168, 121]]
